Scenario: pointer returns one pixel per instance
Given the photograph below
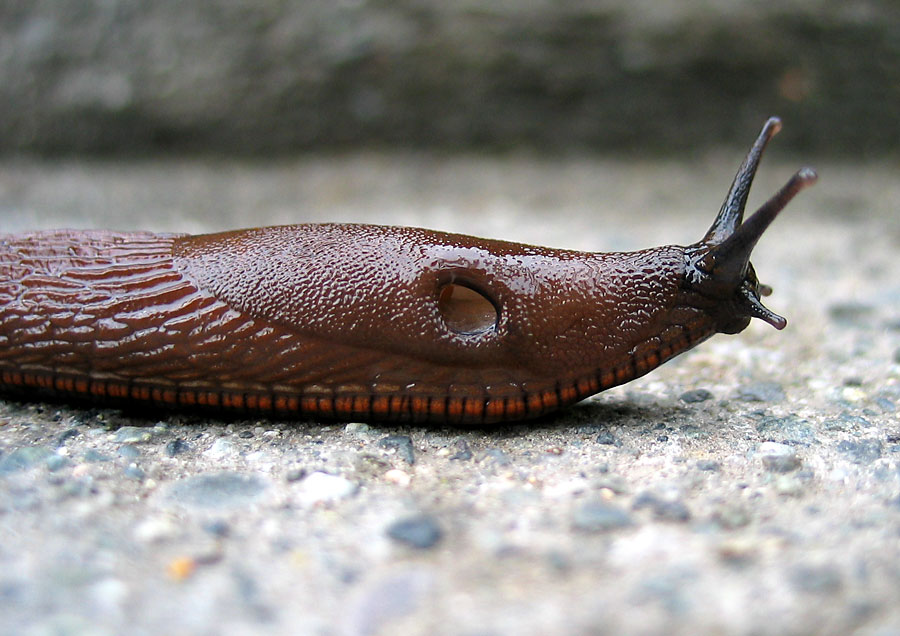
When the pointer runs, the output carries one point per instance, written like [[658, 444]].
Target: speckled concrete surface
[[749, 487]]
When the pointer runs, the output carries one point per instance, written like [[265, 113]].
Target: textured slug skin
[[335, 321]]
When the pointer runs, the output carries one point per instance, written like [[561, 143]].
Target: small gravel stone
[[599, 516], [605, 437], [663, 509], [218, 528], [774, 448], [864, 451], [497, 457], [134, 472], [220, 449], [851, 313], [761, 392], [422, 531], [129, 451], [322, 488], [245, 434], [897, 355], [133, 435], [398, 477], [781, 463], [845, 422], [821, 579], [218, 490], [402, 444], [790, 485], [56, 462], [613, 483], [778, 458], [789, 429], [708, 464], [176, 447], [92, 455], [463, 452], [155, 529], [24, 458], [731, 516], [296, 474], [67, 435], [737, 550], [695, 396]]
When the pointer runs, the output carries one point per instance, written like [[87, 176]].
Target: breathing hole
[[466, 310]]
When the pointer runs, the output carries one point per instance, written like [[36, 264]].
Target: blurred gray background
[[266, 76]]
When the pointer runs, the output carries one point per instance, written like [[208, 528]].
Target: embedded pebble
[[24, 458], [845, 421], [296, 474], [708, 465], [129, 451], [779, 458], [220, 449], [496, 457], [731, 515], [218, 528], [402, 444], [133, 435], [790, 429], [781, 463], [218, 490], [155, 530], [463, 452], [599, 516], [176, 447], [761, 392], [92, 455], [607, 438], [422, 531], [398, 477], [66, 435], [135, 472], [774, 448], [789, 485], [695, 396], [613, 483], [56, 462], [819, 579], [864, 451], [897, 355], [737, 550], [663, 509], [851, 313], [322, 488]]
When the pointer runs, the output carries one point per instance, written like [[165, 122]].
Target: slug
[[367, 322]]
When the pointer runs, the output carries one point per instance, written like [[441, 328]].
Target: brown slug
[[367, 322]]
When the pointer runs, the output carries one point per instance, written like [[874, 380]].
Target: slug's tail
[[721, 260]]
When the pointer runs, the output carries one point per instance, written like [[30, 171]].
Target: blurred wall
[[271, 76]]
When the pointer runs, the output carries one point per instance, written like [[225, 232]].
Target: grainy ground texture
[[749, 487]]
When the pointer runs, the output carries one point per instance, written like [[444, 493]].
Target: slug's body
[[365, 322]]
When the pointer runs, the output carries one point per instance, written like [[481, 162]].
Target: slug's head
[[718, 267]]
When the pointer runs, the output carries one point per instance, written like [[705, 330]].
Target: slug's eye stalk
[[719, 265]]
